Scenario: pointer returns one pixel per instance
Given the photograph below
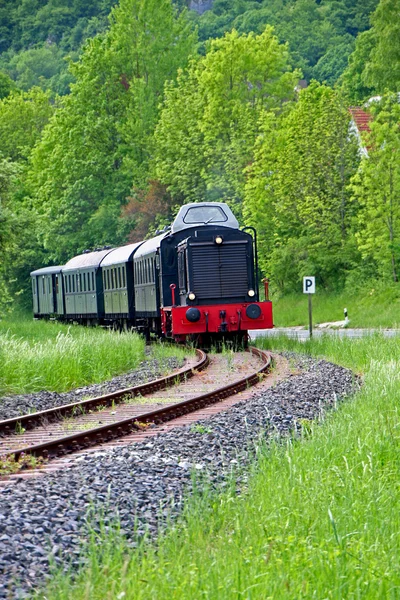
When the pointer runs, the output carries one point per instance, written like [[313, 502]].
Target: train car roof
[[120, 255], [47, 270], [87, 260], [202, 214], [150, 246]]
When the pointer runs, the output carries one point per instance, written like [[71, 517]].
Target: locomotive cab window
[[205, 214]]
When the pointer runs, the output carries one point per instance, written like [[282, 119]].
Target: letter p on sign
[[309, 285]]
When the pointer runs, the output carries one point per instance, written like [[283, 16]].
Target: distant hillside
[[321, 33], [36, 35]]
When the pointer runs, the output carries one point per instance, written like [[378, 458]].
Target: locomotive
[[197, 280]]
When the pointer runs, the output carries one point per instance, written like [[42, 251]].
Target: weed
[[8, 464], [197, 428], [19, 430]]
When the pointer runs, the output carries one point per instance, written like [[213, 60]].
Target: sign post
[[309, 288]]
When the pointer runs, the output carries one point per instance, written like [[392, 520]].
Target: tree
[[210, 116], [43, 66], [375, 64], [297, 196], [353, 82], [23, 116], [8, 174], [99, 141], [376, 187], [382, 71], [7, 85]]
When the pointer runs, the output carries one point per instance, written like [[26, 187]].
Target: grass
[[38, 355], [375, 305], [320, 517]]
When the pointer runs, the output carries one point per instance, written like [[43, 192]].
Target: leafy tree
[[383, 69], [43, 66], [7, 85], [22, 119], [8, 174], [210, 117], [376, 187], [353, 82], [297, 193], [99, 141]]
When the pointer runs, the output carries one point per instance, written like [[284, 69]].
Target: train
[[197, 281]]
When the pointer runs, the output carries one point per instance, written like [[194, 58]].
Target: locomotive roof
[[150, 246], [47, 270], [120, 255], [204, 213], [86, 261]]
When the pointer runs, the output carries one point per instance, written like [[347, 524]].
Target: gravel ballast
[[148, 370], [48, 515]]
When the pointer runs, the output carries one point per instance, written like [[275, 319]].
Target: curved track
[[46, 439]]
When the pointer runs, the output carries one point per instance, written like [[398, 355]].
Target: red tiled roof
[[361, 118]]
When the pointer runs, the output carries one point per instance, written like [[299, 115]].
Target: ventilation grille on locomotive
[[220, 272]]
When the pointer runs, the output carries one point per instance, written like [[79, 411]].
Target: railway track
[[79, 426]]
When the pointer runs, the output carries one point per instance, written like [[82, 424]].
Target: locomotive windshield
[[205, 214]]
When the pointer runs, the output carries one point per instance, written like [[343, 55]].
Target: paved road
[[303, 334]]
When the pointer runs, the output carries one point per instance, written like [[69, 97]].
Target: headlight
[[219, 239], [251, 293], [192, 296]]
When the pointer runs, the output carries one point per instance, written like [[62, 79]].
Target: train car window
[[123, 277], [205, 214], [73, 283], [88, 282], [93, 286], [104, 280], [119, 278], [112, 279], [49, 284], [43, 288], [108, 279], [56, 278], [84, 282]]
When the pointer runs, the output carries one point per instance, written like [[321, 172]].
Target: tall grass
[[375, 305], [38, 356], [320, 517]]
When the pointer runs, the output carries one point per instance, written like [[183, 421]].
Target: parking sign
[[309, 285]]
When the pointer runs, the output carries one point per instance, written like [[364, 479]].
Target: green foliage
[[8, 174], [99, 141], [7, 85], [383, 69], [353, 81], [320, 34], [297, 193], [210, 117], [376, 186], [43, 66], [374, 67], [22, 119]]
